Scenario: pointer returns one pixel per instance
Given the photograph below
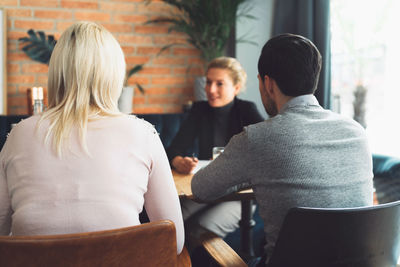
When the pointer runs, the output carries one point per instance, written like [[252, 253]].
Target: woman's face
[[220, 89]]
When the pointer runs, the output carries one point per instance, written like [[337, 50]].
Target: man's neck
[[281, 100]]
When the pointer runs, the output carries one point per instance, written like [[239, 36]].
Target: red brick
[[189, 70], [115, 6], [34, 24], [159, 71], [138, 100], [196, 71], [157, 91], [130, 18], [190, 79], [11, 89], [118, 27], [133, 60], [15, 35], [92, 16], [34, 68], [13, 68], [198, 61], [163, 100], [79, 4], [148, 110], [169, 80], [182, 90], [149, 50], [186, 51], [169, 61], [18, 13], [41, 3], [17, 110], [19, 79], [134, 39], [128, 49], [22, 89], [53, 14], [8, 2], [61, 27], [148, 29], [16, 56], [12, 46], [42, 80], [136, 79], [169, 39], [154, 7], [17, 101], [134, 0]]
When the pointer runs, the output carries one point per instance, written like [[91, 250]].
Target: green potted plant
[[39, 47], [207, 25]]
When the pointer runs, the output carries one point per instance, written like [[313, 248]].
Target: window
[[366, 68]]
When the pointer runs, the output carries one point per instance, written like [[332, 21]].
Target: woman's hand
[[184, 164]]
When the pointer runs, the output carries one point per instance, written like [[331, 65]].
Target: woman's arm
[[161, 199], [184, 139]]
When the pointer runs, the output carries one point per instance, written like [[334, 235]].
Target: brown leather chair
[[147, 245], [150, 244]]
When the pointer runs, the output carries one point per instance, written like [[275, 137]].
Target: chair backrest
[[367, 236], [150, 244]]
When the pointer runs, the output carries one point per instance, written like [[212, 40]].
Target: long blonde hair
[[86, 76]]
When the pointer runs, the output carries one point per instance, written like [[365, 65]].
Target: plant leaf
[[141, 89], [207, 23], [135, 69], [38, 47]]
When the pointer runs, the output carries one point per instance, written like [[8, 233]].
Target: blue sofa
[[386, 178]]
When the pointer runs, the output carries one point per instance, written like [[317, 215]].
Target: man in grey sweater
[[303, 155]]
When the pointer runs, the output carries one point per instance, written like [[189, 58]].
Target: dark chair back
[[367, 236], [150, 244]]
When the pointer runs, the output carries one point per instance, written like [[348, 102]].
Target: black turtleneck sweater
[[220, 124], [207, 127]]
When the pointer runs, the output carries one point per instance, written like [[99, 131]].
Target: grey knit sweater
[[304, 156]]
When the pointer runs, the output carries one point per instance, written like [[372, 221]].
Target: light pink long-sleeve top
[[127, 167]]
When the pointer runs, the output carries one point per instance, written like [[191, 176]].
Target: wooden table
[[183, 184], [183, 187]]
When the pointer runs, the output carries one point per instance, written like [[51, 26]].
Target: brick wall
[[167, 78]]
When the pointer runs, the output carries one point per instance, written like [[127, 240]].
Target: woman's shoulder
[[25, 125], [135, 123]]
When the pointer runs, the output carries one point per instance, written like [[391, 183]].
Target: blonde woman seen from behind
[[82, 165]]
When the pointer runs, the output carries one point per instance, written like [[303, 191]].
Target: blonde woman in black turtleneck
[[211, 124]]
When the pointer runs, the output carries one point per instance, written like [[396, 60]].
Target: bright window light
[[366, 68]]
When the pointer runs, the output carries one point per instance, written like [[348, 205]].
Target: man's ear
[[269, 84]]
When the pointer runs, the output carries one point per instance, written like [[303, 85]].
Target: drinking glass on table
[[217, 151]]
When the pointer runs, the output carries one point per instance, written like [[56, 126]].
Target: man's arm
[[227, 173]]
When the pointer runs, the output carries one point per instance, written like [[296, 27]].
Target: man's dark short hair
[[293, 62]]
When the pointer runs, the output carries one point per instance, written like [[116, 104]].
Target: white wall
[[259, 31]]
